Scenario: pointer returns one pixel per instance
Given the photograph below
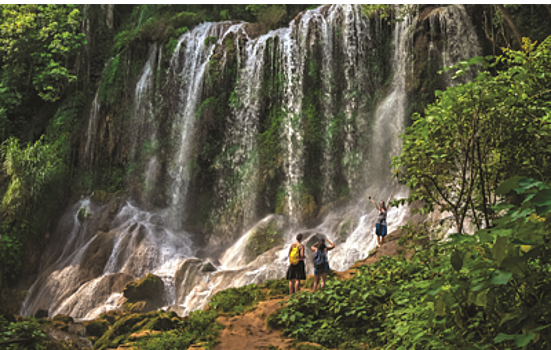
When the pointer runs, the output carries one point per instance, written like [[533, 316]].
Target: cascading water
[[187, 69], [100, 248]]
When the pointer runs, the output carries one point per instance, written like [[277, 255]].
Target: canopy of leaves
[[477, 134], [38, 48]]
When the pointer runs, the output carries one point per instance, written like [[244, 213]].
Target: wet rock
[[82, 214], [145, 294], [207, 266], [346, 227], [77, 329], [266, 235]]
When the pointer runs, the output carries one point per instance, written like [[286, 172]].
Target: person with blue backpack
[[321, 262]]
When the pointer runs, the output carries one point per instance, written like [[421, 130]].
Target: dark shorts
[[319, 272], [380, 230], [296, 272]]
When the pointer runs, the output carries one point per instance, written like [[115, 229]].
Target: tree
[[477, 134], [38, 49]]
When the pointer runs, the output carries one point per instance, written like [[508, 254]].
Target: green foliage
[[234, 300], [29, 169], [271, 16], [199, 327], [148, 23], [477, 134], [26, 329], [486, 291], [38, 43]]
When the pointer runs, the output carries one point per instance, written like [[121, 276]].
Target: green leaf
[[457, 260], [500, 277], [542, 198], [481, 299], [523, 339], [502, 337]]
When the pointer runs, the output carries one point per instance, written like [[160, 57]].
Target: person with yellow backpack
[[296, 272]]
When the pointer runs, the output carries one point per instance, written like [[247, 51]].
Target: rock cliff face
[[233, 143]]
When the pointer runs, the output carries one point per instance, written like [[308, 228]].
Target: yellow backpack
[[294, 256]]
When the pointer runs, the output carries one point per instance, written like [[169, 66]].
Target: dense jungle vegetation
[[481, 150]]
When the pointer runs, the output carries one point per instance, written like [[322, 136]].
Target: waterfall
[[187, 69], [97, 249], [89, 149], [461, 39]]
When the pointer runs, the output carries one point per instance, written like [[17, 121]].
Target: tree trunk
[[511, 23]]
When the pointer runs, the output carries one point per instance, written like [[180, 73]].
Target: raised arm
[[332, 245], [376, 206]]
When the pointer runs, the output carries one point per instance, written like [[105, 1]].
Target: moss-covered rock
[[269, 233], [97, 328], [162, 323], [82, 214], [129, 327], [119, 332], [144, 295]]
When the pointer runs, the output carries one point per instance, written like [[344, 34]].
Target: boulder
[[145, 294], [266, 235]]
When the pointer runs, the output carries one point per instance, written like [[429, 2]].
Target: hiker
[[321, 263], [380, 227], [295, 273]]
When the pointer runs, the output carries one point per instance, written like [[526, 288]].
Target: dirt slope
[[249, 331]]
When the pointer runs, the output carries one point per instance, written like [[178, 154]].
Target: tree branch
[[510, 22]]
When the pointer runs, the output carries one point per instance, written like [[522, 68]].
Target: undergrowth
[[199, 328], [485, 291]]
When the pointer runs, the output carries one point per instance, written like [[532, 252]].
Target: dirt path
[[249, 331]]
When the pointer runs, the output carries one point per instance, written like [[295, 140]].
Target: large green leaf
[[500, 277], [542, 198], [502, 337], [523, 339]]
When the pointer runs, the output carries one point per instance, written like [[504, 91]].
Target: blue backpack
[[319, 258]]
